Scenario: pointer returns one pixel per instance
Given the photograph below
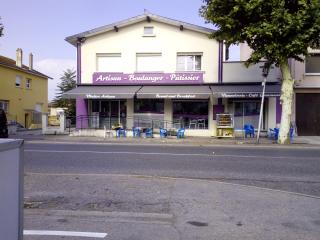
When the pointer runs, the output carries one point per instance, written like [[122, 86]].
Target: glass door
[[118, 112], [248, 113]]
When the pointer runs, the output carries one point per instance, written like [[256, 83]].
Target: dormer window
[[148, 32]]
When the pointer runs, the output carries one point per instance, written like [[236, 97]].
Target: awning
[[174, 92], [102, 92], [245, 91]]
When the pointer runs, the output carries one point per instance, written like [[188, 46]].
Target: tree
[[68, 82], [1, 28], [276, 30]]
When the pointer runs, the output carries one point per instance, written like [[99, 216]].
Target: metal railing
[[101, 122]]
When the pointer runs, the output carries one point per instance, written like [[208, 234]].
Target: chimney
[[19, 57], [30, 61]]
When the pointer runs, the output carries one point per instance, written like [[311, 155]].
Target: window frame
[[149, 54], [186, 55], [148, 34], [20, 81], [28, 83], [305, 65], [6, 104], [110, 55]]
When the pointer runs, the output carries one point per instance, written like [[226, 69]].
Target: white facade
[[168, 41]]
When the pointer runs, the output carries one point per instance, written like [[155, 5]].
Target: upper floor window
[[149, 62], [18, 80], [313, 63], [28, 83], [109, 62], [4, 105], [189, 62], [148, 31]]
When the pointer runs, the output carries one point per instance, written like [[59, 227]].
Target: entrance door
[[109, 113], [26, 120], [118, 112], [104, 114], [308, 114]]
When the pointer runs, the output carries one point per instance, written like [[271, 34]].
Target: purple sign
[[107, 78]]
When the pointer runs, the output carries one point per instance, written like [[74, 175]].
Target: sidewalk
[[310, 141]]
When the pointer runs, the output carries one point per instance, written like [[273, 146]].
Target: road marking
[[171, 154], [99, 152], [64, 233]]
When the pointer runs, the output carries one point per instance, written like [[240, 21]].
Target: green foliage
[[1, 28], [68, 82], [275, 29]]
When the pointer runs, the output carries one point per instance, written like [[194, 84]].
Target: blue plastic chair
[[163, 133], [136, 132], [180, 133], [248, 130], [276, 133], [121, 132], [149, 133]]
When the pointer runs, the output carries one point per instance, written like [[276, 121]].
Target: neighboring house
[[23, 91], [306, 111], [306, 104], [152, 69]]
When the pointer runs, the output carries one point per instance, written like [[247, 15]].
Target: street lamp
[[265, 72]]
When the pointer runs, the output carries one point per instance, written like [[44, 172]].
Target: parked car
[[3, 124]]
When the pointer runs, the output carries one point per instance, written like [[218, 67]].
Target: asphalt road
[[294, 169]]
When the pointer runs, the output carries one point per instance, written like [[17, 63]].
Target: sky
[[40, 26]]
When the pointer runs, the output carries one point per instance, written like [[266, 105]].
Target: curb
[[172, 144]]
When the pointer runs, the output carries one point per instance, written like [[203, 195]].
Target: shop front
[[151, 100], [243, 103], [193, 106]]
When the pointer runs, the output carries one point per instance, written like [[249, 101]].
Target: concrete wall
[[168, 40], [130, 113], [21, 98], [245, 52], [168, 110], [271, 120], [237, 72]]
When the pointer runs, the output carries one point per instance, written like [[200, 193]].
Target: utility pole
[[265, 72]]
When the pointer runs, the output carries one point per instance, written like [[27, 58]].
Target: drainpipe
[[79, 43], [220, 63]]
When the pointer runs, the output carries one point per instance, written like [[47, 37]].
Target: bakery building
[[152, 71]]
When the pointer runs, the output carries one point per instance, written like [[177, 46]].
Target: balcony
[[237, 72]]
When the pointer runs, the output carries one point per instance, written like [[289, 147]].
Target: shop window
[[149, 106], [109, 62], [18, 81], [28, 83], [188, 62], [4, 105], [95, 106], [191, 114], [148, 31], [313, 64], [248, 113], [149, 62]]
